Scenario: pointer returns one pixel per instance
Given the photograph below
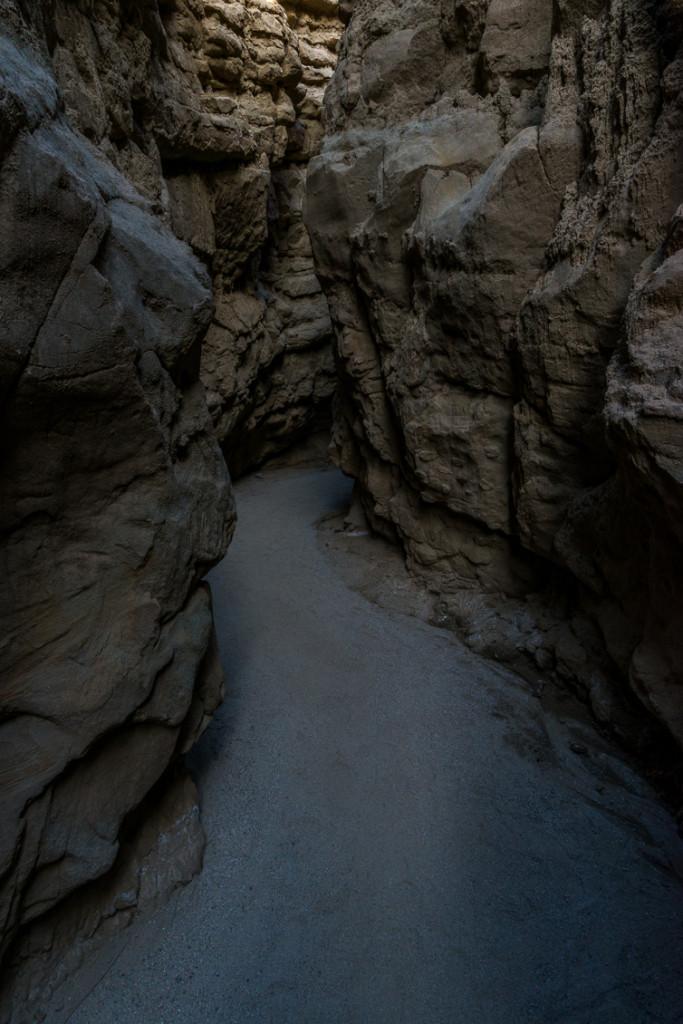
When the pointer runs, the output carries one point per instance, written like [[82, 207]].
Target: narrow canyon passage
[[394, 834], [439, 242]]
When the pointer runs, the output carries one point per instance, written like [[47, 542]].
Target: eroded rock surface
[[158, 294], [494, 220], [115, 495], [212, 109]]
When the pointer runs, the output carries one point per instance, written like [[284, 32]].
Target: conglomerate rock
[[494, 221]]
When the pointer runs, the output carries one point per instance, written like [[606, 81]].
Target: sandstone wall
[[211, 110], [494, 220], [128, 129], [115, 499]]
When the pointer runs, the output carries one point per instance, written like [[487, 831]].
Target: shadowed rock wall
[[126, 131], [494, 220], [212, 109], [115, 496]]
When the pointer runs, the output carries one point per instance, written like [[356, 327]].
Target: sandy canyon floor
[[398, 832]]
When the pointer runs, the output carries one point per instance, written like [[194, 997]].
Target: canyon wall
[[157, 300], [495, 221], [115, 496], [212, 110]]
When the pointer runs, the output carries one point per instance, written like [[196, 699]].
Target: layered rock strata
[[495, 222], [211, 110]]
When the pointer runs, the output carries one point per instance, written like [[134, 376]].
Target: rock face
[[211, 110], [115, 495], [152, 174], [152, 157], [494, 220]]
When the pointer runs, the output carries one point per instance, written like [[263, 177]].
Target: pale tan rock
[[515, 43], [192, 211], [167, 94], [490, 214], [240, 202]]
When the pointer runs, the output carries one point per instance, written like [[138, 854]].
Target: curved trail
[[393, 836]]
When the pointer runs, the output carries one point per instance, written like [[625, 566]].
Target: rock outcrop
[[211, 110], [495, 221], [115, 496], [157, 295]]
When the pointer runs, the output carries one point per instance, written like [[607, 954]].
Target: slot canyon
[[390, 730]]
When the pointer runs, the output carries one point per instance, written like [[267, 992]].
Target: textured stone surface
[[268, 362], [494, 220], [211, 109], [122, 126], [161, 848], [115, 496]]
